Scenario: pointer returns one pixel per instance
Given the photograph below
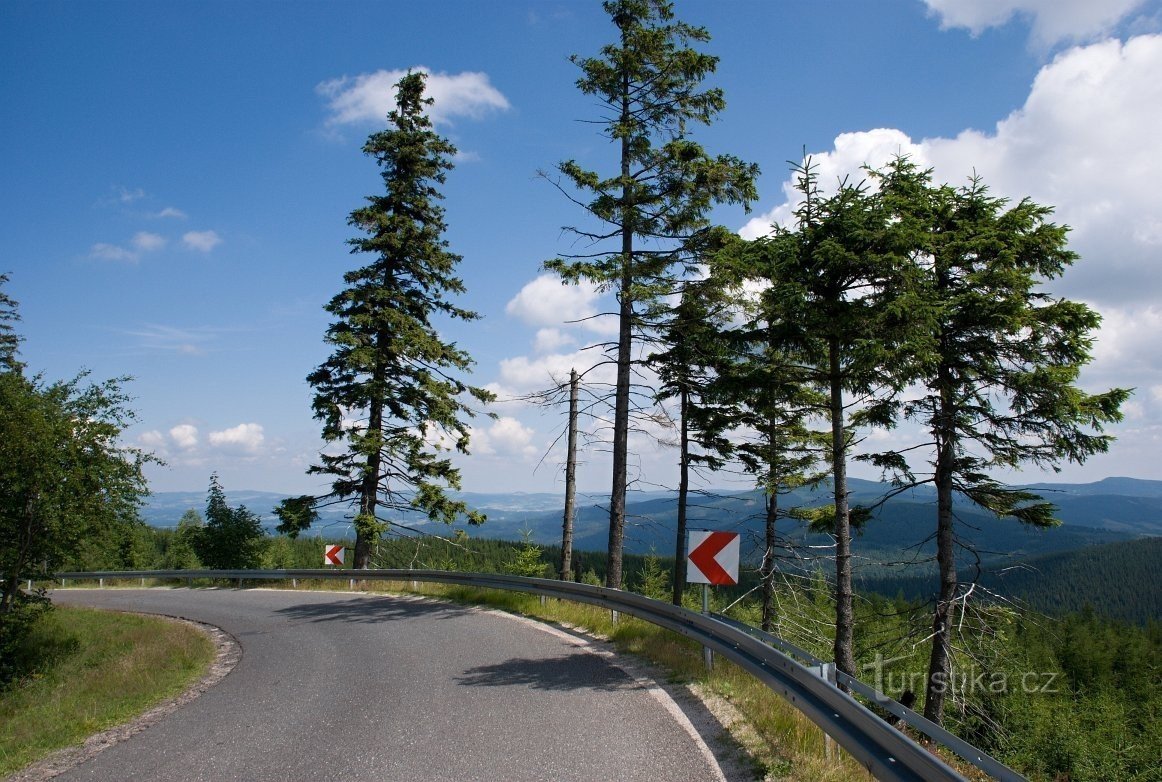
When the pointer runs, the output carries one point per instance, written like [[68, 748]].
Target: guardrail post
[[826, 672], [351, 584], [707, 652], [143, 582], [101, 583], [30, 585], [294, 583]]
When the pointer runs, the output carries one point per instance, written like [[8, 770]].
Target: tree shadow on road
[[577, 671], [371, 609]]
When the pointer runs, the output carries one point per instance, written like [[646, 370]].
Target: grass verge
[[97, 669]]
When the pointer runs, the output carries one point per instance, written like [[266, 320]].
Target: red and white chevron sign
[[332, 555], [712, 558]]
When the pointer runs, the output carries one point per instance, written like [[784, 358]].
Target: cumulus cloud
[[505, 437], [1052, 21], [142, 242], [549, 340], [203, 241], [524, 374], [152, 440], [546, 301], [171, 212], [245, 438], [185, 436], [368, 97], [112, 252]]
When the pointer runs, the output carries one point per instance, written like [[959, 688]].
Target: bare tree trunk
[[844, 614], [683, 495], [621, 392], [768, 564], [570, 483], [940, 661]]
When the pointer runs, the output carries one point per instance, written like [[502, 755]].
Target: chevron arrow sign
[[332, 555], [712, 558]]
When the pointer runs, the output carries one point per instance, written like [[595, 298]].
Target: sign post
[[332, 555], [711, 558]]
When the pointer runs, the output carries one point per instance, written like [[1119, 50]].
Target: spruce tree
[[656, 199], [690, 350], [231, 538], [763, 391], [999, 381], [391, 391], [848, 298]]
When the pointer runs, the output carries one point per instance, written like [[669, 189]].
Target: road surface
[[335, 686]]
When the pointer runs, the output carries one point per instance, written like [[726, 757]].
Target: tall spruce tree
[[690, 350], [999, 386], [848, 297], [762, 390], [650, 86], [391, 388]]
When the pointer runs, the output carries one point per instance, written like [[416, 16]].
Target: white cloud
[[111, 252], [1052, 21], [247, 438], [549, 340], [142, 242], [203, 241], [146, 242], [369, 97], [185, 436], [546, 301], [505, 437], [173, 212], [523, 374], [152, 440]]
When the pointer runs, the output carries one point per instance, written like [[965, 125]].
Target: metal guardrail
[[886, 752]]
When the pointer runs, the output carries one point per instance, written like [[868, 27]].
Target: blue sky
[[175, 179]]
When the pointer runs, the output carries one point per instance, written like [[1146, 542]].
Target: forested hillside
[[1116, 580]]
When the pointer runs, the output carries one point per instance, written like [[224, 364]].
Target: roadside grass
[[96, 669]]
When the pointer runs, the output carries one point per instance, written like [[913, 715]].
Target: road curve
[[367, 687]]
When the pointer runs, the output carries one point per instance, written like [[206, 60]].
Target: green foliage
[[67, 485], [528, 560], [232, 538], [9, 339], [18, 656], [179, 551], [999, 375], [388, 392], [653, 578]]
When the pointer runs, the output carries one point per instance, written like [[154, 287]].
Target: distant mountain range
[[1104, 553], [1114, 509]]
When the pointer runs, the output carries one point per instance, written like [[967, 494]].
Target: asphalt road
[[356, 687]]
